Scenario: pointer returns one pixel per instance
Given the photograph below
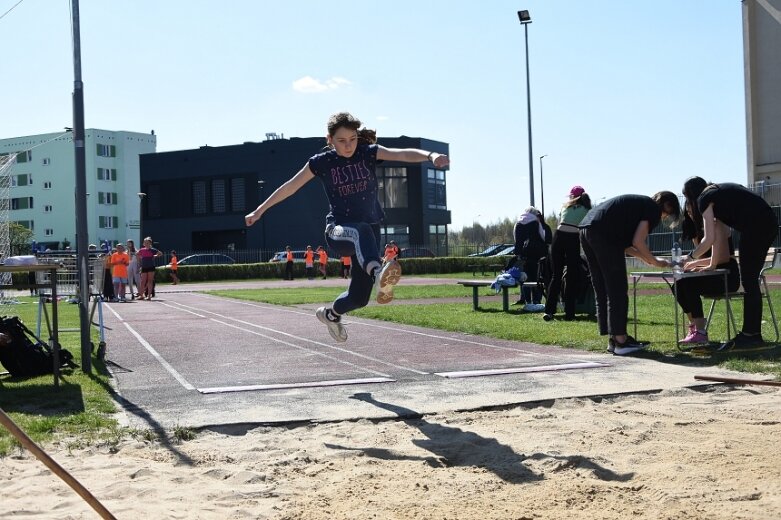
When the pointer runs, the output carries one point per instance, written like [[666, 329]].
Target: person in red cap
[[565, 252]]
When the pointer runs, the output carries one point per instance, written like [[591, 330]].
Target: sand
[[686, 454]]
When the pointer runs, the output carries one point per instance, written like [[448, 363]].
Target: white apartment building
[[43, 184]]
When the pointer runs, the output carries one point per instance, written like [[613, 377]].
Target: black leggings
[[565, 252], [690, 290], [754, 244], [607, 264]]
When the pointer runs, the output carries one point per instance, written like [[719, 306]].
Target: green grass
[[309, 295], [79, 410]]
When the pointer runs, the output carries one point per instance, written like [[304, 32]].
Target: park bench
[[477, 284], [483, 268]]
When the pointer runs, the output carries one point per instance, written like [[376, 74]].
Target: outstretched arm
[[286, 190], [412, 155], [639, 249]]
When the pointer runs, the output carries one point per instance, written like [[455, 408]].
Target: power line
[[11, 9]]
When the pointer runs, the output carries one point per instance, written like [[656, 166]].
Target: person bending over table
[[737, 207], [610, 230], [721, 256]]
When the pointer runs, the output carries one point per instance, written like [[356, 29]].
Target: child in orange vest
[[322, 259]]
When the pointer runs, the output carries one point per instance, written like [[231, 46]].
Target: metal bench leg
[[474, 297], [710, 315], [505, 298], [770, 307]]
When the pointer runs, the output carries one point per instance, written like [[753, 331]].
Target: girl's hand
[[441, 160], [251, 218], [661, 262]]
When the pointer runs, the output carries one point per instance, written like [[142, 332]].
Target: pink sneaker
[[695, 338]]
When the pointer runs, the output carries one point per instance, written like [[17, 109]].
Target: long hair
[[667, 202], [349, 121], [692, 188], [583, 200]]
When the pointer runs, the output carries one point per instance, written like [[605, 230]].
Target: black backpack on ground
[[23, 354]]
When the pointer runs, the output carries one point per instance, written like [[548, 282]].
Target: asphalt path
[[192, 359]]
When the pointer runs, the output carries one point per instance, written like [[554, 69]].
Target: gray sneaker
[[630, 346], [388, 276], [335, 327]]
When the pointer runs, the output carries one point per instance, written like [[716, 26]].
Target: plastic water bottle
[[676, 258]]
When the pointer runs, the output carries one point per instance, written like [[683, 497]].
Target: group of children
[[127, 266]]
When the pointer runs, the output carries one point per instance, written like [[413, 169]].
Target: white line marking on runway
[[299, 338], [332, 358], [501, 371], [282, 386], [171, 370], [385, 327]]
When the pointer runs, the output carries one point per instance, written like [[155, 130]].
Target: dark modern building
[[196, 199]]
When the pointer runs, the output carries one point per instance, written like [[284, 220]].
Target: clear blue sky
[[627, 96]]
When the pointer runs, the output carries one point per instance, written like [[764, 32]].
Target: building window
[[47, 185], [437, 239], [107, 198], [107, 174], [29, 224], [108, 222], [435, 189], [107, 150], [24, 179], [218, 196], [199, 198], [238, 195], [398, 233], [47, 208], [22, 157], [48, 232], [22, 203], [46, 161], [392, 187]]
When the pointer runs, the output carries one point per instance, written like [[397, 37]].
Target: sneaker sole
[[623, 351], [325, 321], [390, 276]]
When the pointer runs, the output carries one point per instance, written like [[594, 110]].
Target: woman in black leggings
[[721, 256], [740, 209], [565, 252], [610, 230]]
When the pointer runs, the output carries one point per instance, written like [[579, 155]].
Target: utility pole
[[82, 255]]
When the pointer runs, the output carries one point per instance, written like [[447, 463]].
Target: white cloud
[[310, 85]]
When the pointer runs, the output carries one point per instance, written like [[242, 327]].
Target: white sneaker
[[335, 328], [388, 276]]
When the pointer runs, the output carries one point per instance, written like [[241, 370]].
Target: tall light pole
[[525, 19], [542, 189]]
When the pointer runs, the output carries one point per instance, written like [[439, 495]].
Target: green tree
[[21, 239]]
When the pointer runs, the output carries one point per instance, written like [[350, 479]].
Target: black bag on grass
[[23, 354]]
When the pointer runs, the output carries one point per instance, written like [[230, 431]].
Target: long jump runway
[[192, 359]]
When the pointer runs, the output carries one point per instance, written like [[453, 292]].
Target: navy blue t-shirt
[[617, 218], [350, 184]]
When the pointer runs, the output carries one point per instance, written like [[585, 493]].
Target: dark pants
[[607, 264], [565, 252], [754, 245], [690, 290], [288, 270], [530, 267], [361, 242]]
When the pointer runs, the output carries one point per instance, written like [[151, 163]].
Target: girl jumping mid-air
[[348, 173]]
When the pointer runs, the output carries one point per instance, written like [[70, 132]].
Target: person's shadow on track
[[455, 447]]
